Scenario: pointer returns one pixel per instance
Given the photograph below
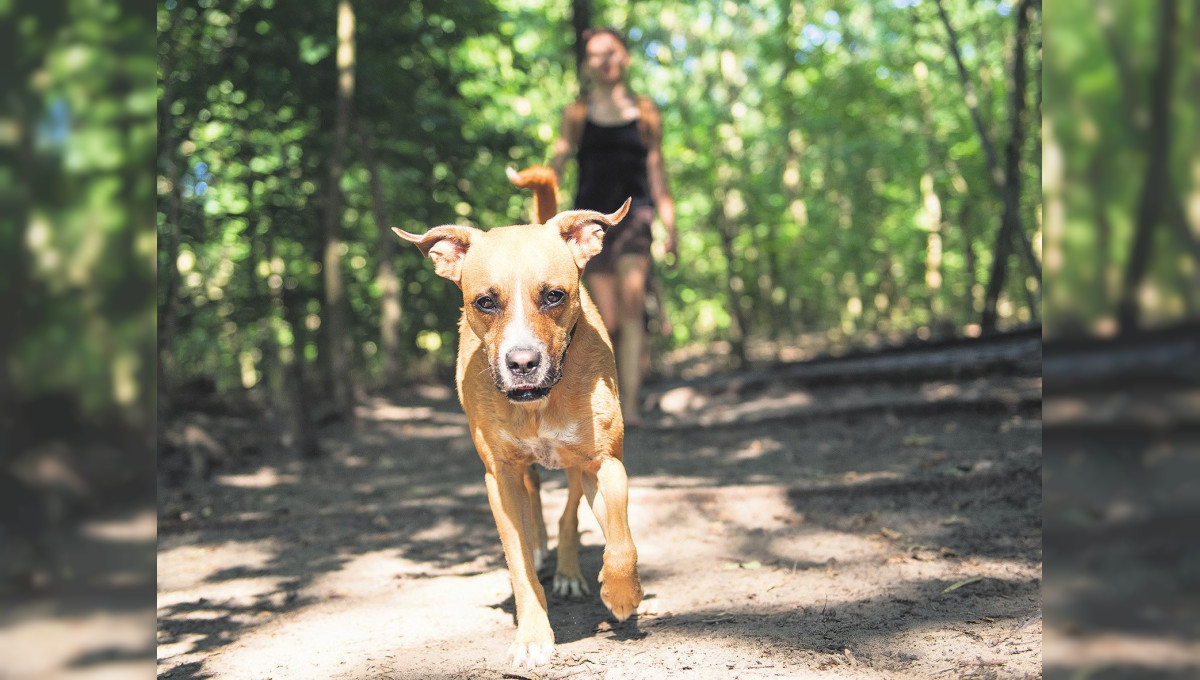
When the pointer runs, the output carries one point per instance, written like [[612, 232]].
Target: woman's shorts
[[631, 236]]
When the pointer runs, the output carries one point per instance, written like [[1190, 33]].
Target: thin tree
[[335, 313], [1177, 219], [167, 322], [1157, 177], [385, 278], [1010, 189], [1006, 180], [581, 21]]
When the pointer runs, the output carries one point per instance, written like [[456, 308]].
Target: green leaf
[[313, 50]]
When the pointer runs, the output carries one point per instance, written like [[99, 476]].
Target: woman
[[616, 137]]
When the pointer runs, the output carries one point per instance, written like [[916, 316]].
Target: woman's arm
[[560, 152], [660, 190], [660, 187], [568, 137]]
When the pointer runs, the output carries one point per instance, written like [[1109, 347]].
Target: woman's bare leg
[[631, 277]]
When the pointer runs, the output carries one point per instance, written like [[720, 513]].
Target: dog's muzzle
[[527, 373]]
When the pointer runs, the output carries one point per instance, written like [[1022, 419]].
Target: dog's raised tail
[[545, 190]]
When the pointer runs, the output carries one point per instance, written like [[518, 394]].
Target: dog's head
[[521, 290]]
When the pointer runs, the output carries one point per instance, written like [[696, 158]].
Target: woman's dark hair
[[590, 33]]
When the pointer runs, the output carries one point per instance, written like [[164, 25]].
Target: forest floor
[[869, 518]]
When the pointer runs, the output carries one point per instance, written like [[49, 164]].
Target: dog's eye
[[554, 297], [485, 303]]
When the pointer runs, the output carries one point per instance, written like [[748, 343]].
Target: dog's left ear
[[445, 245], [584, 230]]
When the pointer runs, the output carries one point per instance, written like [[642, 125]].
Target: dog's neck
[[562, 360]]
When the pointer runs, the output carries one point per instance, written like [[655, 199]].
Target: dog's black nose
[[523, 361]]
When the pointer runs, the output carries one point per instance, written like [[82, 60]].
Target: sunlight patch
[[444, 530], [263, 478], [141, 527], [1127, 651], [393, 412], [188, 564], [757, 448]]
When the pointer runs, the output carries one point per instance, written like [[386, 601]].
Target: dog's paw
[[620, 591], [570, 585], [531, 650], [530, 656]]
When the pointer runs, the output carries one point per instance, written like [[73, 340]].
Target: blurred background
[[848, 176], [837, 185], [77, 339], [1121, 362]]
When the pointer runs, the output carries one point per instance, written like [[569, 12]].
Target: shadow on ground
[[829, 542]]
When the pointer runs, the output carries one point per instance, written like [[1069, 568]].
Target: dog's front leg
[[607, 491], [537, 533], [568, 579], [510, 504]]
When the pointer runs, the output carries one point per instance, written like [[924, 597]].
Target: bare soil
[[1122, 495], [822, 534]]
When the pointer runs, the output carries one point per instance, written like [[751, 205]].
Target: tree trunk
[[1157, 177], [971, 98], [385, 279], [1130, 86], [1037, 101], [166, 314], [931, 204], [269, 302], [14, 265], [259, 297], [165, 355], [1031, 259], [971, 260], [298, 429], [581, 20], [789, 177], [1178, 220], [737, 338], [335, 322], [1010, 221]]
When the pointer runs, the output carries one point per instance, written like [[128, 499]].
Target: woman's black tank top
[[612, 167]]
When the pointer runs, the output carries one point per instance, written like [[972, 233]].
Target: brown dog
[[537, 380]]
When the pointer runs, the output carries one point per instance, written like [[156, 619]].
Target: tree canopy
[[76, 276]]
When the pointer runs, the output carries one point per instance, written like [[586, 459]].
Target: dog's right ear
[[445, 245], [584, 230]]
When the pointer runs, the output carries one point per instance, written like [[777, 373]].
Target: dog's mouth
[[521, 394], [525, 391]]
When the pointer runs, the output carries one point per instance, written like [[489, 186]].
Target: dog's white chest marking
[[544, 448]]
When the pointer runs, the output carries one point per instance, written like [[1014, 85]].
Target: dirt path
[[864, 545]]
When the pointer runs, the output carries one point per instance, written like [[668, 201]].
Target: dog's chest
[[548, 445]]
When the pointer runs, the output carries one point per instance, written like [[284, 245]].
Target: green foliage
[[1098, 78], [76, 139], [827, 173]]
